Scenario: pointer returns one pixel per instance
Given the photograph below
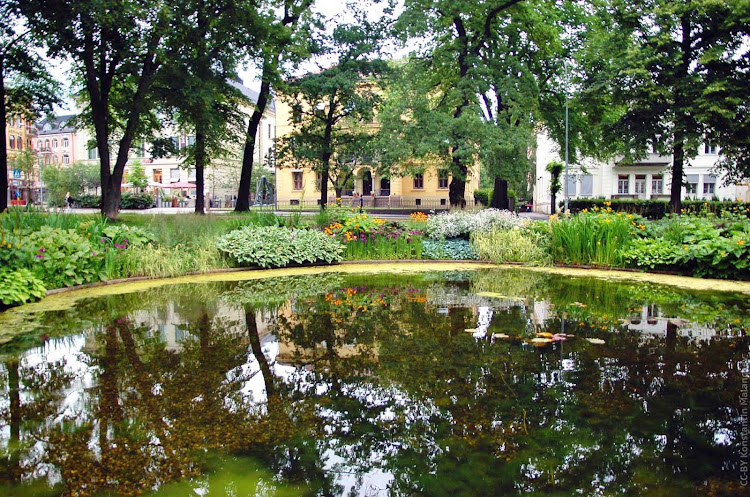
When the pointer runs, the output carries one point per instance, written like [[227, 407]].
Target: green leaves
[[19, 286], [273, 246]]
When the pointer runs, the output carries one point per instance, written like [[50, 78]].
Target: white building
[[649, 178]]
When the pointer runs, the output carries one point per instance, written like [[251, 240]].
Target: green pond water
[[483, 382]]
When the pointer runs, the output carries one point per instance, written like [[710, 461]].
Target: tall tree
[[26, 88], [665, 76], [198, 82], [116, 50], [329, 107], [457, 33], [286, 42]]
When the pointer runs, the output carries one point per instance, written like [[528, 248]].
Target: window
[[418, 182], [572, 183], [39, 144], [709, 185], [710, 148], [191, 141], [157, 175], [296, 180], [46, 145], [442, 201], [318, 179], [640, 184], [294, 201], [692, 184], [93, 153], [12, 140], [269, 130], [418, 202], [657, 185], [443, 180], [623, 184], [191, 174], [174, 175], [19, 143], [54, 143], [65, 143], [587, 184], [66, 159], [54, 159]]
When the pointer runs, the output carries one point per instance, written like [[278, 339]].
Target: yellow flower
[[585, 210], [740, 242]]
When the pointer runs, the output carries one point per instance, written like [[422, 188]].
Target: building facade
[[648, 178], [300, 186], [22, 177]]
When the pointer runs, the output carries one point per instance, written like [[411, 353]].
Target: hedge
[[657, 209], [127, 201]]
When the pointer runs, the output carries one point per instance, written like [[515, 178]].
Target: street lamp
[[565, 66]]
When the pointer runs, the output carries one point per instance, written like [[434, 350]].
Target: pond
[[468, 382]]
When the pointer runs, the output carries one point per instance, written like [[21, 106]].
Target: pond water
[[485, 382]]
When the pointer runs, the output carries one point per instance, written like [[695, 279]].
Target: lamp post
[[565, 65]]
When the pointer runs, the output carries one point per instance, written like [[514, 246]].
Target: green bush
[[90, 201], [453, 248], [483, 196], [272, 246], [136, 201], [62, 257], [18, 286], [592, 237], [657, 209], [511, 245]]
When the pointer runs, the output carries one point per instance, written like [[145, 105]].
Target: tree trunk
[[678, 167], [552, 208], [243, 191], [255, 346], [457, 188], [500, 194], [4, 192], [200, 163]]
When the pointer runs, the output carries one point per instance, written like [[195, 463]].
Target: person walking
[[68, 200]]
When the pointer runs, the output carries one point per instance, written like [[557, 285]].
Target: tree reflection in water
[[359, 384]]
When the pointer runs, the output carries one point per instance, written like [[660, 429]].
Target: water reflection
[[429, 384]]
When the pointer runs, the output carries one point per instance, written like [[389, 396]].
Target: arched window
[[12, 141]]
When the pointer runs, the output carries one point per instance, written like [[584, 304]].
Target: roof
[[651, 159], [252, 94], [56, 124]]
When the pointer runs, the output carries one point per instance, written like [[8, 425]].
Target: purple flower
[[125, 241], [39, 256], [41, 249], [408, 240], [94, 253], [103, 240]]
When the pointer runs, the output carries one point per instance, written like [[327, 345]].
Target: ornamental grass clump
[[593, 238], [460, 224], [273, 246], [511, 245]]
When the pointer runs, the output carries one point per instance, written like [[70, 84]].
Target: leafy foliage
[[272, 246], [511, 245], [462, 223], [136, 201], [62, 258], [18, 286], [453, 248]]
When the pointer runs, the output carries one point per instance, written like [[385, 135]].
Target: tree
[[286, 41], [116, 50], [555, 169], [26, 88], [329, 107], [198, 84], [666, 76], [447, 103], [137, 176]]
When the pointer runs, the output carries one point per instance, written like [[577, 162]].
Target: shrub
[[511, 245], [272, 246], [456, 224], [592, 237], [455, 248], [18, 286], [483, 196], [136, 201], [91, 201], [62, 257]]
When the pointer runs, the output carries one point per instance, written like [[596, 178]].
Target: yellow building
[[23, 178], [299, 186]]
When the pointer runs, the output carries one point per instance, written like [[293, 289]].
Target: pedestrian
[[361, 203], [69, 200]]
